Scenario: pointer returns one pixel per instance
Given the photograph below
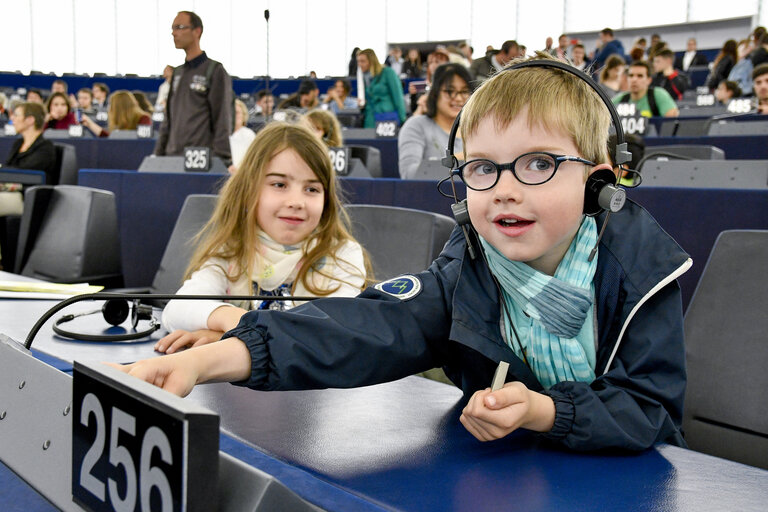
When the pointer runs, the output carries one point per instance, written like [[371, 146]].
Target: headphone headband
[[622, 154]]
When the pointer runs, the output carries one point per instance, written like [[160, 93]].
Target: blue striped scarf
[[553, 315]]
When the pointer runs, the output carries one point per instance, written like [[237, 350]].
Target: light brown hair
[[554, 99], [124, 111], [233, 230]]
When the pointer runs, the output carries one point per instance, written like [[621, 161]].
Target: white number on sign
[[148, 477], [387, 129], [626, 109], [338, 159], [196, 159], [633, 125]]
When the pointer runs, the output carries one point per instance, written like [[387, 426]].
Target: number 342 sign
[[138, 448]]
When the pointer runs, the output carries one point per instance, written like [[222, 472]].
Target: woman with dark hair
[[723, 64], [412, 66], [426, 137], [60, 116], [383, 91]]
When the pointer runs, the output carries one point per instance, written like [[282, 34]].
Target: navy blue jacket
[[608, 49], [454, 322]]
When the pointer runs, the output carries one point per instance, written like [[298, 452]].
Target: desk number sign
[[339, 160], [631, 120], [197, 159], [386, 129], [138, 448], [144, 131]]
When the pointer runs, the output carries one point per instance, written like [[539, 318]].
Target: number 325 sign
[[138, 448]]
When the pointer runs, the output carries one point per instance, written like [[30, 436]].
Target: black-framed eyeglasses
[[533, 168], [180, 27], [464, 93]]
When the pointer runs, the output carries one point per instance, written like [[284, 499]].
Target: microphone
[[137, 297], [268, 117]]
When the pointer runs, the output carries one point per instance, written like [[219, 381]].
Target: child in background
[[278, 229], [326, 126], [594, 345]]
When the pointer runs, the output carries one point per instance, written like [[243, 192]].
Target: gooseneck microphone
[[140, 311]]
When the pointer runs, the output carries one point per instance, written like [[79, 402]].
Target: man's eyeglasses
[[180, 27], [464, 93], [530, 169]]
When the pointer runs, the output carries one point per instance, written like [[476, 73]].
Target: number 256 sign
[[137, 448]]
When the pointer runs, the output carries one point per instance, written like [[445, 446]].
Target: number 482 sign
[[138, 448]]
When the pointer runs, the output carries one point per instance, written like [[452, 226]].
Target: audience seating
[[673, 127], [152, 163], [66, 157], [741, 174], [370, 156], [726, 335], [69, 234], [9, 224], [399, 240], [195, 212], [741, 128]]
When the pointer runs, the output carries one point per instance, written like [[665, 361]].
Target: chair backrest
[[746, 174], [152, 163], [66, 156], [726, 335], [684, 152], [195, 212], [399, 240], [738, 128], [369, 155], [684, 127], [70, 234]]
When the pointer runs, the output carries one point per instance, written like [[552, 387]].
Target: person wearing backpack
[[199, 108], [649, 101]]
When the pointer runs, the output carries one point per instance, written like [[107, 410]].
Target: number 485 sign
[[138, 448]]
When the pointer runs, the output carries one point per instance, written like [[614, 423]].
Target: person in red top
[[124, 114], [673, 80], [60, 116]]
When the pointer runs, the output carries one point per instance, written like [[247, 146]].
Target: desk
[[399, 446], [736, 147]]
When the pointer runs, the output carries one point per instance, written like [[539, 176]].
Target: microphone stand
[[138, 296], [266, 17]]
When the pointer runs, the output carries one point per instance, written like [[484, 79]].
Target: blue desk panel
[[148, 204], [400, 446], [736, 147]]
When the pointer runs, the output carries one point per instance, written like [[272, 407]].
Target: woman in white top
[[241, 138]]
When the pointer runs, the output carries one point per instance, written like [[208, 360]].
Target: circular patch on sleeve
[[403, 287]]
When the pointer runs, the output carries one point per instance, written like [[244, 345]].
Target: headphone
[[601, 192], [115, 312]]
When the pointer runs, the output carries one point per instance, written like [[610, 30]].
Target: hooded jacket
[[450, 316]]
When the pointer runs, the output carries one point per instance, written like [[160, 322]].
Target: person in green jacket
[[383, 90]]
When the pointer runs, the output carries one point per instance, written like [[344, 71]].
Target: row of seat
[[726, 408]]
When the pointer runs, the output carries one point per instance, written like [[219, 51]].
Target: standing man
[[608, 46], [198, 111], [561, 52], [649, 101]]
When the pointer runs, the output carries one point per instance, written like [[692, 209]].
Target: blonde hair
[[232, 232], [373, 60], [124, 111], [239, 104], [327, 123], [555, 99]]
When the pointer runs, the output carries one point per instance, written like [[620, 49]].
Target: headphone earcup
[[602, 193], [115, 311]]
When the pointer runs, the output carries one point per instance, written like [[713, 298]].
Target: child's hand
[[493, 415], [225, 361], [179, 339], [168, 372]]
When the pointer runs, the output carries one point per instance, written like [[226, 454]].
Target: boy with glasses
[[594, 342]]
